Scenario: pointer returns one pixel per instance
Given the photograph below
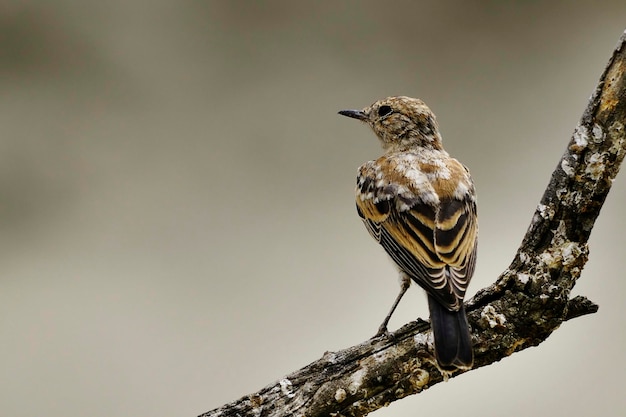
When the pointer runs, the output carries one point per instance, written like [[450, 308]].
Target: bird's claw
[[382, 332]]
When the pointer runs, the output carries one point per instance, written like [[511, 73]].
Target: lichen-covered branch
[[521, 309]]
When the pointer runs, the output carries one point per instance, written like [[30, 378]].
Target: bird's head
[[401, 123]]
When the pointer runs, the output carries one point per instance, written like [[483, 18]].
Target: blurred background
[[177, 223]]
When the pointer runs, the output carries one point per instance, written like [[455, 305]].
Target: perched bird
[[420, 205]]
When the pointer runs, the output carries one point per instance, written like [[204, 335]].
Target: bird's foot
[[382, 332]]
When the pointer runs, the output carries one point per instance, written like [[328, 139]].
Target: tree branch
[[530, 299]]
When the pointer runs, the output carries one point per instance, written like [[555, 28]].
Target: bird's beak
[[355, 114]]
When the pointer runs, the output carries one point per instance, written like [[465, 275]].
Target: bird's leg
[[405, 283]]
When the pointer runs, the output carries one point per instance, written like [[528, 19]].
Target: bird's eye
[[384, 111]]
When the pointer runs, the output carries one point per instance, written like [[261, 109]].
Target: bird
[[419, 204]]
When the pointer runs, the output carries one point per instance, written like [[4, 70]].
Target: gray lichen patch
[[563, 253], [546, 212], [340, 395], [597, 133], [489, 317], [595, 165], [356, 382], [580, 139], [419, 379], [286, 387], [616, 131], [569, 170]]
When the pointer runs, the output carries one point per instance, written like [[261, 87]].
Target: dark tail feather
[[453, 344]]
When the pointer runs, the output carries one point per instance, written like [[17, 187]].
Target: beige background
[[177, 225]]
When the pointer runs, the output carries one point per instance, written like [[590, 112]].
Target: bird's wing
[[456, 234], [432, 240]]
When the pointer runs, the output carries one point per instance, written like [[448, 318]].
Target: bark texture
[[529, 300]]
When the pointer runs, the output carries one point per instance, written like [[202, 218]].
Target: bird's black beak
[[355, 114]]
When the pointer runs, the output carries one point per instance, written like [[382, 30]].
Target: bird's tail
[[453, 343]]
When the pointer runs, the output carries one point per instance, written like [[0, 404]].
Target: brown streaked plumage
[[419, 204]]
